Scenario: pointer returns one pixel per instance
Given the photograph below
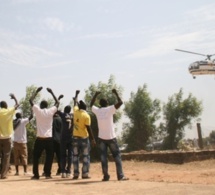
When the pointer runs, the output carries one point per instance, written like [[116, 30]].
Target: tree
[[178, 113], [106, 92], [142, 112]]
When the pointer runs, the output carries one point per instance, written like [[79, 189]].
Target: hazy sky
[[69, 44]]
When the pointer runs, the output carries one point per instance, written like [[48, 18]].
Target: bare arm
[[119, 103], [12, 96], [94, 98], [75, 99], [34, 95], [53, 95], [30, 117], [91, 134]]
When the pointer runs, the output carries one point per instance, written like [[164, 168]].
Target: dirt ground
[[144, 178]]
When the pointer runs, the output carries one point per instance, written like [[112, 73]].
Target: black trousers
[[40, 145], [57, 153]]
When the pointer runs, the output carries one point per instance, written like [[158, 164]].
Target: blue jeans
[[81, 147], [114, 148]]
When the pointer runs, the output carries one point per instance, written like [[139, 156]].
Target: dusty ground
[[145, 178]]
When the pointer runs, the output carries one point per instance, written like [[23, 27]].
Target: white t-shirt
[[104, 117], [44, 119], [20, 131]]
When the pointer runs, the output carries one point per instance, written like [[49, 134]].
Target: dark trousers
[[40, 145], [57, 154], [66, 156], [5, 151]]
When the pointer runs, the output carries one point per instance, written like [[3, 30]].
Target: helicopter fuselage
[[202, 67]]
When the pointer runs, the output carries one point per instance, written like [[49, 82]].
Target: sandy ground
[[144, 178]]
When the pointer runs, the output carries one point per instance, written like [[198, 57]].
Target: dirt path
[[145, 178]]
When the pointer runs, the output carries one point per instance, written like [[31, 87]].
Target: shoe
[[35, 177], [49, 177], [106, 178], [86, 177], [4, 177], [16, 174], [63, 175], [75, 177], [123, 179], [67, 175]]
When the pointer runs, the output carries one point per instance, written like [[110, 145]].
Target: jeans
[[114, 149], [66, 156], [81, 147]]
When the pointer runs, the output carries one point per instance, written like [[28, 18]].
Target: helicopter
[[204, 67]]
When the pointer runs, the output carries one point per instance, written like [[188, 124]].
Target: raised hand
[[60, 97], [39, 89], [49, 90], [97, 93], [114, 91], [77, 92], [12, 96]]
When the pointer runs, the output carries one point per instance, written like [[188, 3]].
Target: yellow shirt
[[6, 122], [81, 119]]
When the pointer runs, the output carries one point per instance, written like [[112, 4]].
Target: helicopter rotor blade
[[192, 52]]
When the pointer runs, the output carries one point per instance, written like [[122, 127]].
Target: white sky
[[69, 44]]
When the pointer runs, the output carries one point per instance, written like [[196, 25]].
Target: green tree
[[142, 112], [106, 92], [178, 113]]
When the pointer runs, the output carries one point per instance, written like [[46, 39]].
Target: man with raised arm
[[106, 136], [66, 141], [20, 147], [44, 141], [6, 131], [81, 143]]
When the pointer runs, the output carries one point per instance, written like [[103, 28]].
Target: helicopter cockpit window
[[203, 63], [194, 65]]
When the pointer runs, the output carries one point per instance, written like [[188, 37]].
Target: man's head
[[43, 104], [67, 109], [103, 102], [3, 104], [82, 105], [18, 115]]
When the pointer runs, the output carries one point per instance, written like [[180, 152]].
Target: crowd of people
[[64, 134]]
